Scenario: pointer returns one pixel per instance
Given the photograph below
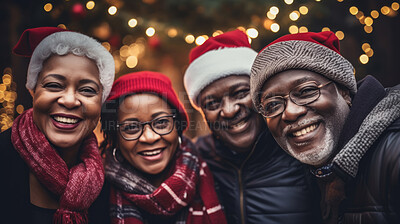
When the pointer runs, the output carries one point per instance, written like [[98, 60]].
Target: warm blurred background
[[158, 35]]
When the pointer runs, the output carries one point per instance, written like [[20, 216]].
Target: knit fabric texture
[[42, 42], [383, 114], [317, 52], [77, 187], [149, 82], [187, 196]]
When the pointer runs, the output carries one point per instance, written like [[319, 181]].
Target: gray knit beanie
[[317, 52]]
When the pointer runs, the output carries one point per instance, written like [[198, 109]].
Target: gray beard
[[320, 155]]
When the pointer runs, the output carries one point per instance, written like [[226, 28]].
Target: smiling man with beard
[[348, 133], [256, 181]]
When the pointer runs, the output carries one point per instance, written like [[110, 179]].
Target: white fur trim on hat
[[67, 42], [298, 54], [214, 65]]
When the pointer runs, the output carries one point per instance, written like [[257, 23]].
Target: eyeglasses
[[132, 130], [301, 95]]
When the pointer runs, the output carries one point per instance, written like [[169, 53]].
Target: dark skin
[[227, 107], [309, 132], [67, 87]]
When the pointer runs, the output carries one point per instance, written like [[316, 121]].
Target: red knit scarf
[[187, 196], [77, 187]]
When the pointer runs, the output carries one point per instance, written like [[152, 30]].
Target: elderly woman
[[50, 163], [155, 177]]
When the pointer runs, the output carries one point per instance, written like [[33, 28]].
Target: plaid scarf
[[77, 187], [187, 196]]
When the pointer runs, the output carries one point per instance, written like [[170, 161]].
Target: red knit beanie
[[149, 82]]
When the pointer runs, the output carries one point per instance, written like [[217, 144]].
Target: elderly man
[[256, 181], [349, 134]]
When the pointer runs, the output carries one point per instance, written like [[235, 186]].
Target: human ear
[[345, 93]]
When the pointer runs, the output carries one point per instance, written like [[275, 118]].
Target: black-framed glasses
[[301, 95], [132, 130]]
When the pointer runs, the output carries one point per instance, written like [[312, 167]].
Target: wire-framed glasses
[[301, 95], [132, 130]]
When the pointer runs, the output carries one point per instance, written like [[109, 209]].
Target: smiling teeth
[[151, 153], [238, 124], [305, 130], [66, 120]]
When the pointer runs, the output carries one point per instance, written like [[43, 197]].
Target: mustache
[[227, 123], [299, 124]]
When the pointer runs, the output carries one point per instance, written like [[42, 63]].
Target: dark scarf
[[373, 110], [77, 187], [187, 196]]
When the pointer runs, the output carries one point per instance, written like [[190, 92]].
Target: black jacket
[[368, 159], [15, 193], [263, 186]]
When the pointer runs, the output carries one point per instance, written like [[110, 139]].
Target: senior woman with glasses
[[154, 176]]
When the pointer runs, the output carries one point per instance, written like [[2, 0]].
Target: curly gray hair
[[67, 42]]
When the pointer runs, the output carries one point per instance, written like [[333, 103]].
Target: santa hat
[[317, 52], [224, 55], [42, 42], [149, 82]]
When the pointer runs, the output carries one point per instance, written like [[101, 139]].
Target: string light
[[303, 29], [270, 15], [353, 10], [275, 27], [293, 29], [289, 2], [364, 59], [150, 31], [201, 39], [189, 38], [303, 10], [340, 35], [48, 7], [132, 22], [269, 23], [252, 33], [294, 15], [274, 10], [368, 21], [112, 10], [8, 95], [395, 6], [172, 32], [90, 5], [131, 61], [385, 10], [217, 32], [374, 14], [368, 29]]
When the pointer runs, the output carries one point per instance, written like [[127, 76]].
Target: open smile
[[238, 126], [62, 121], [304, 134], [153, 154], [305, 130]]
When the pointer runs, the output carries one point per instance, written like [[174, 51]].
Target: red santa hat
[[218, 57], [42, 42]]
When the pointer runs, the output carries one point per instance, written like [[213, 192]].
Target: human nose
[[148, 135], [229, 108], [293, 111], [69, 99]]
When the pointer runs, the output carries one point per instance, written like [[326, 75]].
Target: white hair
[[67, 42]]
